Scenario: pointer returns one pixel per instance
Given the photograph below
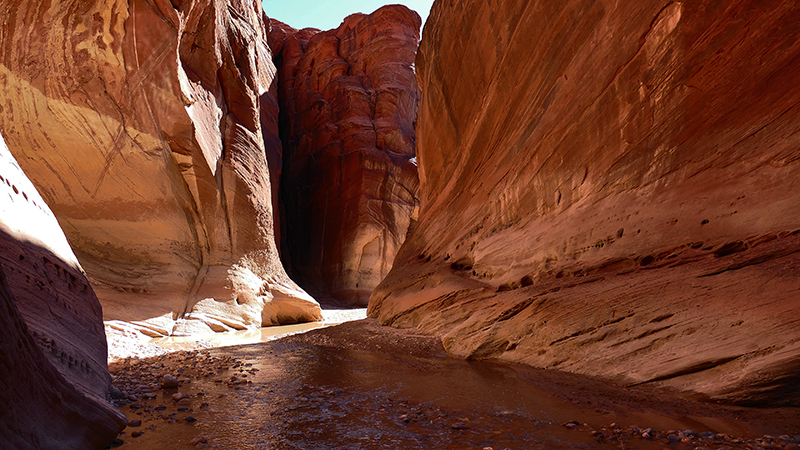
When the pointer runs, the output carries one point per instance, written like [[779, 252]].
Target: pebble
[[190, 419], [178, 396], [136, 434], [115, 392], [708, 435], [169, 382], [135, 423], [199, 440]]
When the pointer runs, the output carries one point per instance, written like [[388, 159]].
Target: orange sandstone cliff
[[151, 129], [611, 189], [53, 373], [349, 102]]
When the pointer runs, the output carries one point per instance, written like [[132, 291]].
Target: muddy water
[[302, 396]]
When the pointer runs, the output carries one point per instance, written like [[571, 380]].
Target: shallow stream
[[301, 396]]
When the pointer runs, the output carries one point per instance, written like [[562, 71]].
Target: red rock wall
[[348, 106], [611, 189], [53, 373], [150, 127]]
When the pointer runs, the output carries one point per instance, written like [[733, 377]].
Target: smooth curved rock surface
[[53, 373], [611, 189], [150, 126], [349, 102]]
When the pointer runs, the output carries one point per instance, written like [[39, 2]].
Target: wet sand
[[362, 386]]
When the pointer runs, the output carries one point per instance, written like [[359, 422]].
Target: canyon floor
[[362, 386]]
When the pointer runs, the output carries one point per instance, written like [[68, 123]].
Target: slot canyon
[[516, 224]]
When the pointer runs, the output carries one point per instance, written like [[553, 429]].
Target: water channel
[[303, 396]]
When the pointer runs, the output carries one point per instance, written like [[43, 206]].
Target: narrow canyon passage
[[566, 223], [361, 386]]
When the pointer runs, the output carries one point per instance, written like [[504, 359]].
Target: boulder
[[53, 373], [611, 189], [349, 102], [151, 129]]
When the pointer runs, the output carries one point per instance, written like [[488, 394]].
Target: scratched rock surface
[[53, 373], [611, 189], [150, 128], [349, 102]]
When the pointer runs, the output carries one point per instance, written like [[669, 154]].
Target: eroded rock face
[[149, 127], [53, 373], [349, 101], [611, 189]]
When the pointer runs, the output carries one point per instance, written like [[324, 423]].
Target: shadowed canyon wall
[[150, 127], [610, 189], [53, 373], [349, 102]]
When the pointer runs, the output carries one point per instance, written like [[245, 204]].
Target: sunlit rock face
[[611, 188], [53, 373], [349, 102], [150, 128]]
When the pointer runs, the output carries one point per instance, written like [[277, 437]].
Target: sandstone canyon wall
[[53, 373], [613, 189], [150, 127], [349, 102]]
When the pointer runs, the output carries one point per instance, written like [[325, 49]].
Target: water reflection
[[302, 396]]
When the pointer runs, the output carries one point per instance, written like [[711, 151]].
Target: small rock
[[646, 435], [115, 392], [137, 433], [673, 439], [169, 382], [160, 408], [117, 442], [183, 409], [135, 423], [177, 397], [190, 419], [199, 440], [459, 426], [708, 435]]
